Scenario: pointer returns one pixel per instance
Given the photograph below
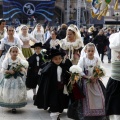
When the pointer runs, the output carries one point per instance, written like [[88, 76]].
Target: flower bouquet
[[17, 69], [44, 55], [75, 76], [98, 72]]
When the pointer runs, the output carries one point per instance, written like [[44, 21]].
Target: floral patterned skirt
[[13, 93]]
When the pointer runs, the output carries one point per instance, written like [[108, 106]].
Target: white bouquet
[[44, 50], [75, 71], [24, 63]]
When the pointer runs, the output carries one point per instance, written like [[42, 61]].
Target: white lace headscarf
[[21, 27], [83, 53], [71, 46], [41, 29], [20, 54]]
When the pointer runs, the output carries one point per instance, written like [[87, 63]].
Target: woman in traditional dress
[[113, 86], [52, 42], [12, 87], [38, 33], [7, 42], [72, 44], [26, 39]]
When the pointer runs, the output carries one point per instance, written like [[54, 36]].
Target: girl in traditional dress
[[54, 77], [72, 44], [26, 39], [38, 33], [12, 87], [113, 86], [93, 105]]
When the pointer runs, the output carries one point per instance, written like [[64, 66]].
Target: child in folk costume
[[94, 102], [54, 77], [12, 87], [35, 62]]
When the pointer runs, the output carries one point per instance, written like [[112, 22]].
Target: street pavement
[[30, 112]]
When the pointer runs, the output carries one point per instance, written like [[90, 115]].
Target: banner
[[22, 9], [100, 8]]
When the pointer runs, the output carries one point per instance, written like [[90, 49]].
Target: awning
[[112, 22]]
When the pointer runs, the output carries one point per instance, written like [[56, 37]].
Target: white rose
[[44, 50], [75, 69], [24, 63]]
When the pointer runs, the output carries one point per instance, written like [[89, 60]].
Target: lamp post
[[116, 17]]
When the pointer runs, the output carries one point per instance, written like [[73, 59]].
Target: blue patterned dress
[[12, 90]]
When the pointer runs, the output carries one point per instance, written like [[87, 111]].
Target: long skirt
[[13, 93], [112, 101], [81, 108], [27, 52]]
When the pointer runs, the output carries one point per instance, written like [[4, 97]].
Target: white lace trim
[[71, 46]]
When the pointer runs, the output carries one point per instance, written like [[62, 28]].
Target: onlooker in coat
[[101, 42]]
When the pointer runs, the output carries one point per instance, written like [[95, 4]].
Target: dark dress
[[32, 73], [47, 45], [112, 101], [50, 92]]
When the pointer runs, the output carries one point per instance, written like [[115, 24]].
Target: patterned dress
[[5, 45], [12, 90], [39, 36], [93, 105]]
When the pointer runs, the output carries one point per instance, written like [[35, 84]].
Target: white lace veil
[[75, 29], [20, 55], [79, 35], [15, 35], [20, 29], [42, 29], [83, 53]]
